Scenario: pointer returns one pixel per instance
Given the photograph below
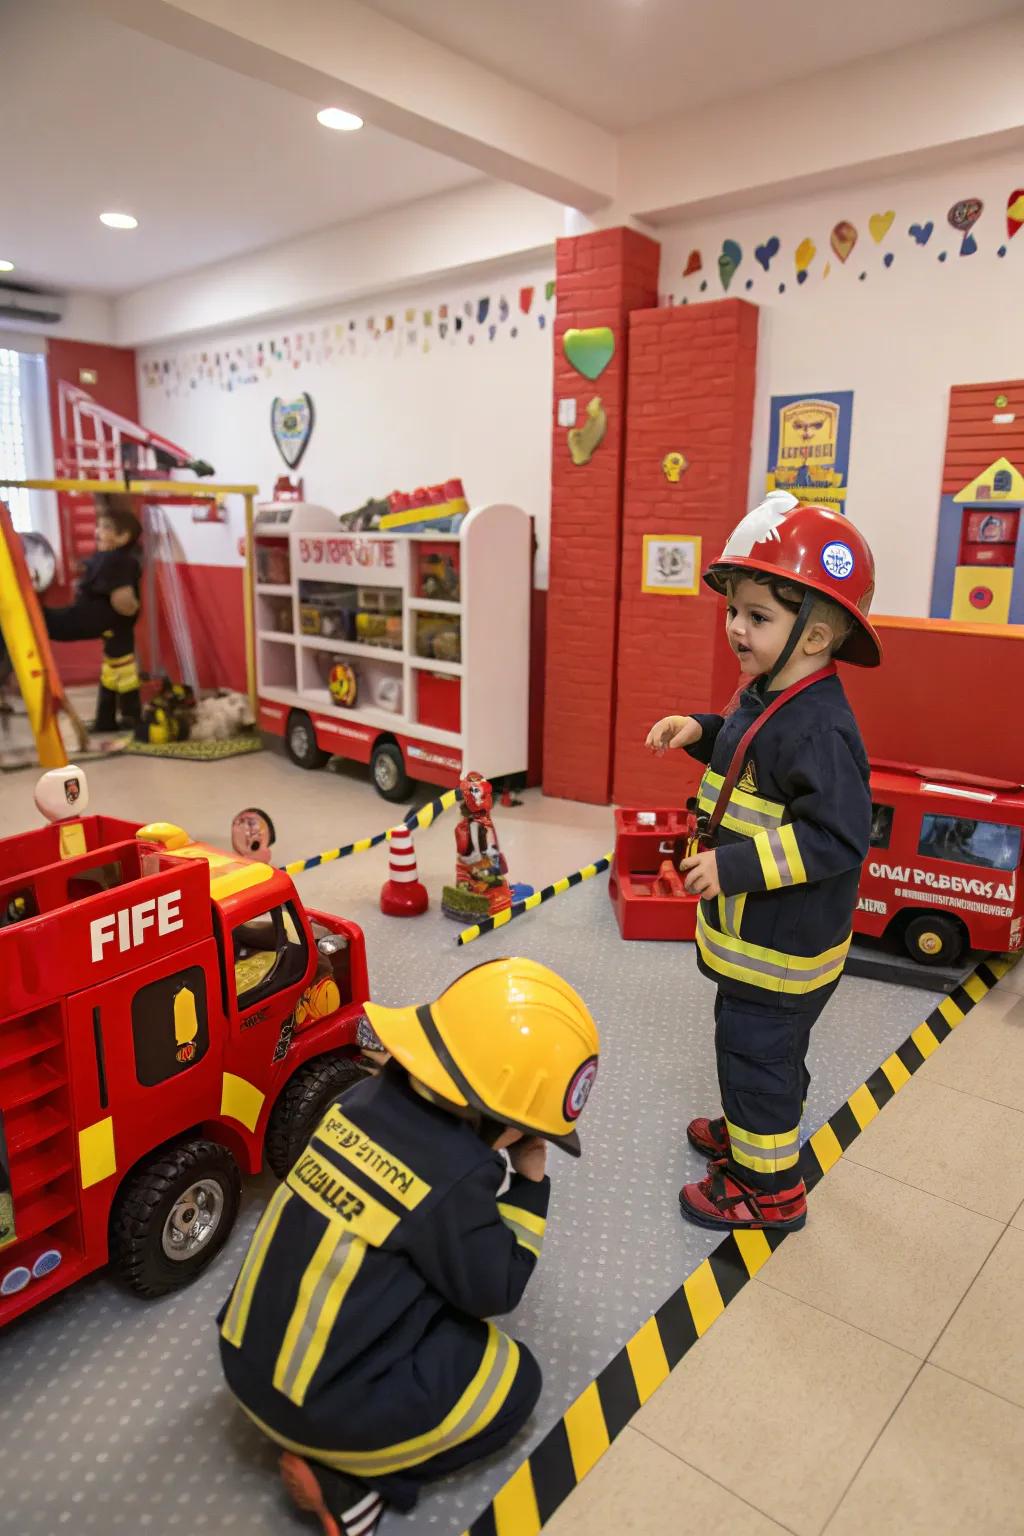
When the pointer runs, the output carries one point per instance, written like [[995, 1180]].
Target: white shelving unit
[[452, 716]]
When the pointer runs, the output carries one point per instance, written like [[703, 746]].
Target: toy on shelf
[[171, 1016], [437, 508], [253, 835], [287, 489], [438, 573], [343, 684], [481, 886], [403, 894]]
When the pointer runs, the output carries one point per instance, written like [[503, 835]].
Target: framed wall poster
[[809, 447], [671, 564]]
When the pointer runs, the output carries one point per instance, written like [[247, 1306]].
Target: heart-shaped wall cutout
[[589, 351], [922, 233], [766, 253], [880, 224]]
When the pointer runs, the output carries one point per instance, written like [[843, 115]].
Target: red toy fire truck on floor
[[170, 1016], [943, 874]]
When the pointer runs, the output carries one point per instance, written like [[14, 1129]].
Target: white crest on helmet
[[760, 524]]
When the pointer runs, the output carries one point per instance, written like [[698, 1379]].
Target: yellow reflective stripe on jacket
[[771, 1153], [527, 1228], [326, 1282], [746, 813], [379, 1165], [478, 1405], [120, 674], [237, 1315], [780, 857], [769, 969]]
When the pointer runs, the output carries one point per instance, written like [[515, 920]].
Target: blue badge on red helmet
[[578, 1091], [837, 558]]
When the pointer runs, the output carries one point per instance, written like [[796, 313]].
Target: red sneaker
[[709, 1137], [724, 1200]]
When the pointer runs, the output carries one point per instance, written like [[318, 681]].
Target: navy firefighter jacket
[[790, 845], [356, 1324]]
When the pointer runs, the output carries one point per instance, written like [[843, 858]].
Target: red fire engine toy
[[170, 1017], [943, 874]]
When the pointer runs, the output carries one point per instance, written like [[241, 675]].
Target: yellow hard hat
[[510, 1039]]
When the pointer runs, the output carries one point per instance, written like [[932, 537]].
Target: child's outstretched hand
[[673, 731], [529, 1157], [700, 874]]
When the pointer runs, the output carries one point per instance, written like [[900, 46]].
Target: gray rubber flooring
[[113, 1416]]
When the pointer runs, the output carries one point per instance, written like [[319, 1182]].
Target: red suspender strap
[[739, 756]]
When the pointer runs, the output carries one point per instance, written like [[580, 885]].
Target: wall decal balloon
[[803, 256], [1014, 212], [728, 262], [843, 238], [766, 253], [963, 216]]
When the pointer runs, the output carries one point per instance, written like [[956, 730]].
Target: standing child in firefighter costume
[[356, 1336], [785, 820]]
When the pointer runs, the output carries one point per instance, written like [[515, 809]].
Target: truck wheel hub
[[193, 1219]]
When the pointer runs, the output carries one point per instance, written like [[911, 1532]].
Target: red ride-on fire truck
[[171, 1016], [943, 874]]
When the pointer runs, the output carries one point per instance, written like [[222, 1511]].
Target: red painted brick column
[[600, 278], [691, 390]]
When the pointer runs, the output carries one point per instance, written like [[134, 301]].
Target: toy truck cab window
[[269, 953], [881, 825], [90, 882], [170, 1025], [964, 840]]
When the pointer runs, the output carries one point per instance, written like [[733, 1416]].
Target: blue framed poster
[[809, 447]]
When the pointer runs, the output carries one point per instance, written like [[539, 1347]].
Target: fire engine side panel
[[147, 1062]]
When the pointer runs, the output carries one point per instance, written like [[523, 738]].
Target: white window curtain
[[26, 450]]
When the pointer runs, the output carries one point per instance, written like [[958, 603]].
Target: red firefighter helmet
[[477, 794], [811, 547]]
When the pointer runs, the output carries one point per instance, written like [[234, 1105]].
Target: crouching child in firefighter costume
[[785, 818], [356, 1336]]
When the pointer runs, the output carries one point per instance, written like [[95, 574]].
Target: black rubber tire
[[387, 769], [300, 741], [144, 1203], [301, 1105], [944, 929]]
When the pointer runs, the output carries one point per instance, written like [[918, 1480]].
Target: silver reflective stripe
[[730, 910], [766, 967], [755, 818], [781, 861], [766, 1154], [331, 1270], [532, 1240]]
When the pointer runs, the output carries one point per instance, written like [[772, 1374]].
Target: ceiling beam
[[340, 53]]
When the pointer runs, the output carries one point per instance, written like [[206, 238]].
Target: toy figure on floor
[[106, 608], [481, 871], [356, 1336], [168, 715], [252, 834], [784, 816]]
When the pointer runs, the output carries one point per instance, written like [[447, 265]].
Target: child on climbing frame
[[356, 1336], [106, 608], [785, 818]]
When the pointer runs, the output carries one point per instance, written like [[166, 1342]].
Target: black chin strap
[[799, 625]]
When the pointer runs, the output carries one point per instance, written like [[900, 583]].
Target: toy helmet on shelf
[[814, 548], [508, 1039]]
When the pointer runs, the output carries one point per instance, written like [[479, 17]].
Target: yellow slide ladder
[[28, 645]]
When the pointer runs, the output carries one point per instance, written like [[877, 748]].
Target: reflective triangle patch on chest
[[748, 779]]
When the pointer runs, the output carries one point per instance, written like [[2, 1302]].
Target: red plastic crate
[[644, 841]]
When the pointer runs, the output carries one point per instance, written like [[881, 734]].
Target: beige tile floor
[[871, 1379]]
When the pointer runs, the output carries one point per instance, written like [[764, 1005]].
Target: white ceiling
[[621, 63], [97, 117]]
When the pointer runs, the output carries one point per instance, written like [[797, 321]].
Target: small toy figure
[[252, 834], [62, 795], [360, 1314], [481, 887], [169, 714], [343, 684]]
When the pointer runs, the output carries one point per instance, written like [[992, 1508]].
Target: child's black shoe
[[344, 1507]]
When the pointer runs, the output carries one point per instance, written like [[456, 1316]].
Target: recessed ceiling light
[[334, 117], [119, 221], [6, 266]]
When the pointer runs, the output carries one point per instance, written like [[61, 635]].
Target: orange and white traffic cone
[[402, 894]]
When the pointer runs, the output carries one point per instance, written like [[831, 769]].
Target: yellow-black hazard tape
[[527, 904], [581, 1437], [421, 818]]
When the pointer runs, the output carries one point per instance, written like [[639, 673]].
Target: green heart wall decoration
[[589, 351]]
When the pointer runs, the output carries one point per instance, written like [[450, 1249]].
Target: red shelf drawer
[[439, 701]]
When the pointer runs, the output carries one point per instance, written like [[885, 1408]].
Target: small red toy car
[[171, 1016]]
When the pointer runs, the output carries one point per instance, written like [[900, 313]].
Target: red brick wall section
[[600, 278], [691, 390]]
